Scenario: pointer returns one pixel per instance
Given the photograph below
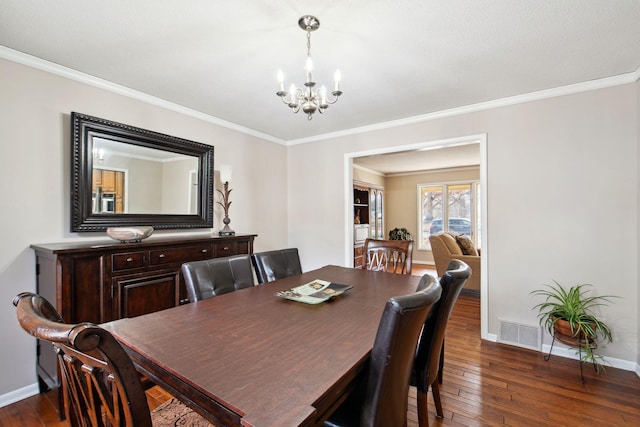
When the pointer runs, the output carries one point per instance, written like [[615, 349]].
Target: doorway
[[432, 146]]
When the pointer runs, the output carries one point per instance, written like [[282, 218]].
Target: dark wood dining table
[[251, 358]]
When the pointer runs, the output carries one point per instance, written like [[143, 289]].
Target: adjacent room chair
[[99, 382], [447, 246], [393, 256], [381, 398], [211, 277], [278, 264], [427, 368]]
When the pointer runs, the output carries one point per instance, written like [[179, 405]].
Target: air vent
[[521, 335]]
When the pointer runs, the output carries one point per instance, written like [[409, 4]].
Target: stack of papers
[[314, 292]]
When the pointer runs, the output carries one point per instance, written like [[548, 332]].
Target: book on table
[[314, 292]]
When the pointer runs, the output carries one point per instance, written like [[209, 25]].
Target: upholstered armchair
[[446, 247]]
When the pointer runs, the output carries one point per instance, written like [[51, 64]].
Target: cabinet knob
[[204, 251], [226, 248], [161, 256], [129, 259]]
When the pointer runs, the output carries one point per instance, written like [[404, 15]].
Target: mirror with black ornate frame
[[125, 176]]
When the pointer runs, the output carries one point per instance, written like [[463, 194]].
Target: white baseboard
[[569, 353], [626, 365], [17, 395]]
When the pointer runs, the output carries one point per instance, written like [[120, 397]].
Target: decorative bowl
[[129, 234]]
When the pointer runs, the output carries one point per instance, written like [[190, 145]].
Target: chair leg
[[423, 415], [441, 363], [435, 390]]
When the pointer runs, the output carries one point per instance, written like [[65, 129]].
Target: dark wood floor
[[485, 384]]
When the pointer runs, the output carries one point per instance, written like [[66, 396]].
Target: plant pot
[[562, 332]]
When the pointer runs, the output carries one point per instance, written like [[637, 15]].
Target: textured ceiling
[[398, 59]]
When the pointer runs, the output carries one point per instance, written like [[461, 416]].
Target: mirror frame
[[85, 128]]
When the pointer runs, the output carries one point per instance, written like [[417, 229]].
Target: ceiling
[[422, 160], [397, 59]]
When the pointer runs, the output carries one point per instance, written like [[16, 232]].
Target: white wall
[[562, 200], [562, 193], [35, 109]]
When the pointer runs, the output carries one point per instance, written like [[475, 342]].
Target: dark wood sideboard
[[100, 281]]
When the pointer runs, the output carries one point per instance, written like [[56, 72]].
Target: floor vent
[[527, 336]]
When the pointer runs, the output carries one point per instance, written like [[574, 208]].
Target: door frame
[[442, 143]]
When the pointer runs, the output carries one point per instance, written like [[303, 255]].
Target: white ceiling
[[422, 160], [398, 59]]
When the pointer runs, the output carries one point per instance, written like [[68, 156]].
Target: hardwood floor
[[485, 384]]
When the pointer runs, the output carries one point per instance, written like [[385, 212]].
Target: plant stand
[[573, 342]]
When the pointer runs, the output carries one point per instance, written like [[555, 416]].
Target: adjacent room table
[[253, 359]]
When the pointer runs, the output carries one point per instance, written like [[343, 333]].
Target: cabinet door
[[142, 294], [97, 179], [108, 181], [119, 192]]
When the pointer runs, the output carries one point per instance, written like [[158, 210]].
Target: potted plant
[[569, 316], [399, 234]]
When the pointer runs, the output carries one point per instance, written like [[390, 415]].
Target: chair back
[[101, 386], [385, 399], [278, 264], [393, 256], [211, 277], [427, 360]]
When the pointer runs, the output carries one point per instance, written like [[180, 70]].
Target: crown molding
[[59, 70], [472, 108], [371, 171], [50, 67]]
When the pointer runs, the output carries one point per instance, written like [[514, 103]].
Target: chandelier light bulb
[[281, 82]]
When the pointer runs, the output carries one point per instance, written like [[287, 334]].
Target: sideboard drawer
[[224, 249], [127, 261], [180, 254]]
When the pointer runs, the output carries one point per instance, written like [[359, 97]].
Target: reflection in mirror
[[125, 176], [140, 180]]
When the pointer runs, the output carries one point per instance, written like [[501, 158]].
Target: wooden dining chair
[[208, 278], [278, 264], [100, 385], [393, 256], [427, 367], [380, 400]]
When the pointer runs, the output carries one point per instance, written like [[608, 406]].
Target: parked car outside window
[[457, 225]]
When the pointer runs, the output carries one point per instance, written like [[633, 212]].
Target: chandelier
[[309, 98]]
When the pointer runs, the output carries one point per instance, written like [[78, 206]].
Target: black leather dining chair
[[100, 385], [278, 264], [427, 367], [380, 400], [217, 276]]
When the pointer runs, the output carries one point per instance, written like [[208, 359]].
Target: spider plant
[[576, 307]]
